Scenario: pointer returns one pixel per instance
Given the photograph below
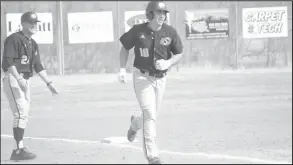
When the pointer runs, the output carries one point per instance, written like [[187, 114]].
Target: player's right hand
[[22, 84], [53, 89], [122, 75]]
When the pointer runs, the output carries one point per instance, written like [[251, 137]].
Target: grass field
[[224, 117]]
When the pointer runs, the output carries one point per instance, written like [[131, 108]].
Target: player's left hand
[[122, 75], [53, 89], [162, 64]]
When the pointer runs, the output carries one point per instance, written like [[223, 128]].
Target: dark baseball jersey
[[21, 52], [150, 45]]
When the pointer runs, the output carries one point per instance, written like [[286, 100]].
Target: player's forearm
[[123, 57], [12, 70], [44, 76], [175, 59]]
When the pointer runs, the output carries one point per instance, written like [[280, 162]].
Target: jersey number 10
[[144, 52], [24, 60]]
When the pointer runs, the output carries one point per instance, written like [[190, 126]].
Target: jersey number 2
[[144, 52], [24, 60]]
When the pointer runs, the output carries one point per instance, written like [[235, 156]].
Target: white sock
[[20, 145]]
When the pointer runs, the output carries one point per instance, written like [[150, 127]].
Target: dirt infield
[[207, 117]]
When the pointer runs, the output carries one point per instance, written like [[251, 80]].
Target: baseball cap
[[29, 17]]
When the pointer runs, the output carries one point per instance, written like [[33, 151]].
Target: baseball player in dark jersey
[[154, 43], [20, 57]]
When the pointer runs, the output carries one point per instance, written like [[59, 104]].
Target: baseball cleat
[[22, 154], [155, 160], [131, 134]]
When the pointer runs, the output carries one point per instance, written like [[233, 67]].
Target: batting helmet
[[155, 6]]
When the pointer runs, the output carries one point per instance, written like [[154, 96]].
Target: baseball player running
[[20, 57], [153, 43]]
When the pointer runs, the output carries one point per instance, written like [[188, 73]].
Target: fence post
[[59, 40], [117, 64], [237, 35], [176, 26]]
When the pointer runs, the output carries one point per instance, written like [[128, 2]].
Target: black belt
[[25, 75], [154, 74]]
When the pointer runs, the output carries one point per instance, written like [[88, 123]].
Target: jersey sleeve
[[6, 63], [128, 38], [176, 44], [38, 66], [10, 53], [10, 47]]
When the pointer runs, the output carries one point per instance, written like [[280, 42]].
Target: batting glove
[[162, 64], [122, 75]]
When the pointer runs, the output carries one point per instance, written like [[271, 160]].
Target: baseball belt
[[154, 74]]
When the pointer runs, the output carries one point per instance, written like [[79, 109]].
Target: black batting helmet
[[155, 6]]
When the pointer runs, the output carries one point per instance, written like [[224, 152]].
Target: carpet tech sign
[[265, 22], [45, 27]]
